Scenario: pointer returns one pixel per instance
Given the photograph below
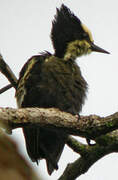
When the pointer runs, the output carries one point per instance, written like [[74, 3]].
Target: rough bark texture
[[101, 129], [86, 126]]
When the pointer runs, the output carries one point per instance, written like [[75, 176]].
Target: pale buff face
[[78, 48]]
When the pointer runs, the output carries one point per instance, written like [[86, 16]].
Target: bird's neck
[[76, 49]]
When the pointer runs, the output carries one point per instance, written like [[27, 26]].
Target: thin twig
[[2, 90], [5, 69]]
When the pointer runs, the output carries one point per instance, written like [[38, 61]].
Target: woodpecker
[[55, 80]]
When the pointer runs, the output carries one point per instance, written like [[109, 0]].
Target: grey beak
[[98, 49]]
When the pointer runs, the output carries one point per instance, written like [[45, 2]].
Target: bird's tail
[[42, 143]]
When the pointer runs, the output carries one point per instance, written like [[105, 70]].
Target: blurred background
[[25, 31]]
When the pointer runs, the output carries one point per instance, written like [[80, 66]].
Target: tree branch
[[76, 146], [2, 90], [90, 154], [5, 69], [93, 127], [87, 126]]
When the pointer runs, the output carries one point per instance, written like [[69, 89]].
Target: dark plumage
[[62, 31], [48, 80]]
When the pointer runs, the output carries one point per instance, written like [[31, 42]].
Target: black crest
[[66, 27]]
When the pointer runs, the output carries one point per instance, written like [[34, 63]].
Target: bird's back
[[47, 81]]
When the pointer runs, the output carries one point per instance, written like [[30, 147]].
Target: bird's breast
[[53, 83], [63, 85]]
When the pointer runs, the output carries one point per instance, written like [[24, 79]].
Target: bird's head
[[70, 37]]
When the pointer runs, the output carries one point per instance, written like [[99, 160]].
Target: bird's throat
[[76, 49]]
